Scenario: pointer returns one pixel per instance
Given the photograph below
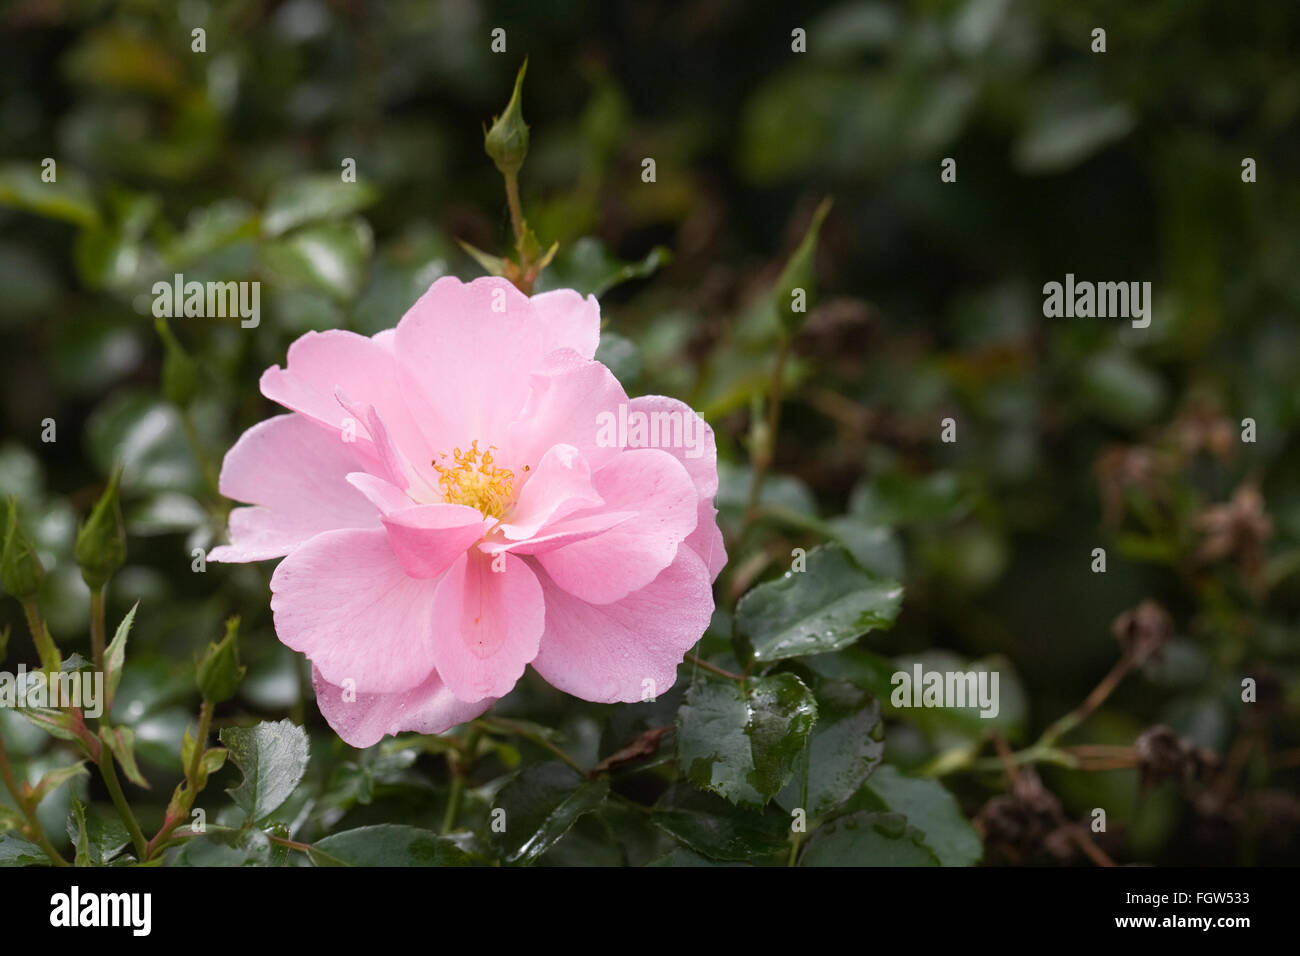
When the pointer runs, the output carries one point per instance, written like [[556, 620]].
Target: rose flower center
[[470, 478]]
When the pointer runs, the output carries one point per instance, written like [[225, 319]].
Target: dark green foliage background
[[1117, 166]]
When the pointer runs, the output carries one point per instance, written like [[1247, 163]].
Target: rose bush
[[450, 512], [1114, 533]]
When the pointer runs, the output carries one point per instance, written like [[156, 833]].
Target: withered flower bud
[[1143, 631]]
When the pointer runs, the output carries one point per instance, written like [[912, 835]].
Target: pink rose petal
[[629, 556], [489, 624], [629, 649], [345, 601], [294, 471], [362, 720]]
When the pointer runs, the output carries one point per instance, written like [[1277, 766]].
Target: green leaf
[[30, 290], [145, 435], [56, 778], [101, 350], [897, 498], [210, 229], [643, 268], [100, 837], [593, 841], [875, 547], [541, 803], [930, 808], [710, 825], [303, 199], [121, 741], [684, 857], [214, 758], [782, 492], [1122, 390], [115, 655], [857, 665], [77, 833], [846, 747], [1067, 126], [67, 198], [273, 758], [741, 741], [56, 723], [15, 851], [967, 720], [21, 475], [823, 608], [165, 513], [388, 844], [867, 839], [330, 258], [180, 371], [620, 356], [233, 848], [492, 265], [113, 254], [587, 267]]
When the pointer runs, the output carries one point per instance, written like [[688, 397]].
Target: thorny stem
[[107, 770], [1103, 756], [502, 725], [744, 574], [37, 832], [1004, 755], [458, 761], [1090, 703], [1044, 750], [453, 801], [291, 844], [200, 742], [713, 668], [109, 773], [97, 628], [1034, 754], [162, 838], [516, 216], [49, 654], [215, 828], [1086, 844], [794, 849]]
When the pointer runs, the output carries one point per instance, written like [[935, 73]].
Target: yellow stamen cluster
[[472, 479]]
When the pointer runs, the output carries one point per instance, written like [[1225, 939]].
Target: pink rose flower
[[467, 494]]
